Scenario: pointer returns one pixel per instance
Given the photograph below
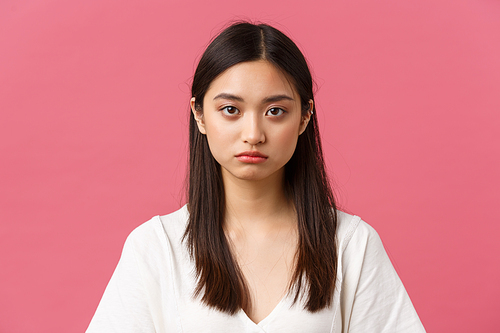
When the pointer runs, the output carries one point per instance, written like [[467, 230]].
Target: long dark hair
[[220, 281]]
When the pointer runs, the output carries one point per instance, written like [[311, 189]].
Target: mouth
[[251, 156], [252, 153]]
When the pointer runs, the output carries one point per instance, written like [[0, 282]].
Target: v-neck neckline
[[243, 315]]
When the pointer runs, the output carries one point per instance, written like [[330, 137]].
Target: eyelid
[[223, 110], [283, 111]]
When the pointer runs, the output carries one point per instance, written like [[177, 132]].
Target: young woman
[[260, 246]]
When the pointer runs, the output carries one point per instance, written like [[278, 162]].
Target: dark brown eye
[[274, 112], [230, 110]]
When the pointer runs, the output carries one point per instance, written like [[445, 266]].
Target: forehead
[[256, 79]]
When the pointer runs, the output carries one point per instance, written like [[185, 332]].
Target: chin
[[250, 177], [255, 175]]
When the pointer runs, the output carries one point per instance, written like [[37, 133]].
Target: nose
[[252, 132]]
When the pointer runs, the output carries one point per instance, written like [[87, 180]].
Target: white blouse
[[152, 287]]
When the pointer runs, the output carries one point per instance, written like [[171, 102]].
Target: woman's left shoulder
[[349, 226], [373, 297]]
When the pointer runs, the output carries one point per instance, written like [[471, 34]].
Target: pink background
[[93, 137]]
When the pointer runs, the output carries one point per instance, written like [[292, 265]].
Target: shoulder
[[144, 274], [359, 246], [157, 230], [352, 229], [372, 297], [174, 224]]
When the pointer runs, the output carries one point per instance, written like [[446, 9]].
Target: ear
[[198, 116], [306, 117]]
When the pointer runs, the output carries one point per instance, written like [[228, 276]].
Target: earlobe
[[306, 117], [198, 116]]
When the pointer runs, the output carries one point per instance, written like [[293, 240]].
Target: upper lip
[[251, 153]]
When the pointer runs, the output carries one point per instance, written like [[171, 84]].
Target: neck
[[256, 205]]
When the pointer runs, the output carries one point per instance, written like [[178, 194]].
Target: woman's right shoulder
[[169, 227]]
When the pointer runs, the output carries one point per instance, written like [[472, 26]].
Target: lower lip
[[251, 159]]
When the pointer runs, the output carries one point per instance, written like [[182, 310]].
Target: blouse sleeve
[[124, 305], [373, 297]]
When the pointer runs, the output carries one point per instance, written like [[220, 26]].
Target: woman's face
[[252, 119]]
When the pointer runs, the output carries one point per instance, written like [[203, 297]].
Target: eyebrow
[[229, 96], [270, 99]]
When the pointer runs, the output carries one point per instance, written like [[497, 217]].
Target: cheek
[[287, 140], [220, 137]]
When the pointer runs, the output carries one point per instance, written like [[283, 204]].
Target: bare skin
[[262, 230]]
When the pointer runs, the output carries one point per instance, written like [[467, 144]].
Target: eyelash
[[281, 112], [228, 108], [225, 109]]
